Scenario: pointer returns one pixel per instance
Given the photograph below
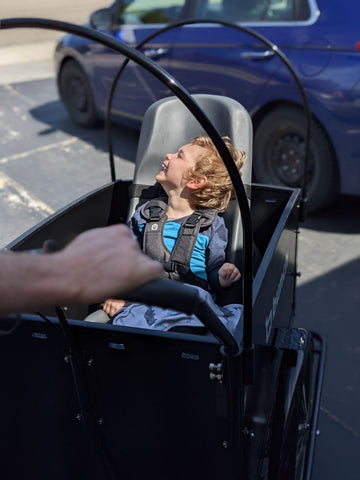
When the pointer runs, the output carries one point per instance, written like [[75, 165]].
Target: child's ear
[[196, 183]]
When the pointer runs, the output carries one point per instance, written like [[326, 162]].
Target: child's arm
[[228, 274]]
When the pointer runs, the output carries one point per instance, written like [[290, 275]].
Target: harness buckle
[[155, 213], [191, 222], [169, 266]]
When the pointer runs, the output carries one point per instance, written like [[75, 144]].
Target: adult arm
[[98, 264]]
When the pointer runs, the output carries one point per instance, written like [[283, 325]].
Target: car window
[[143, 11], [254, 10]]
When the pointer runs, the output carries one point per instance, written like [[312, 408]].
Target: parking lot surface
[[46, 161]]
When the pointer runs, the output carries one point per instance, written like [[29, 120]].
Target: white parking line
[[13, 91], [45, 148], [16, 196]]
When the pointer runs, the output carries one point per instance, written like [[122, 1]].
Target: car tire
[[76, 95], [279, 150]]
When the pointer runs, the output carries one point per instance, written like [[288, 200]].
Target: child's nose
[[168, 156]]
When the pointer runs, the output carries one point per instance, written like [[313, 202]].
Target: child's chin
[[160, 177]]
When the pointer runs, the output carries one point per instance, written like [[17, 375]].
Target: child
[[197, 186]]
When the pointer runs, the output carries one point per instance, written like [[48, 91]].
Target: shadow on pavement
[[341, 217], [330, 305], [55, 116]]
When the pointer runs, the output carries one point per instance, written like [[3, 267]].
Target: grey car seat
[[167, 125]]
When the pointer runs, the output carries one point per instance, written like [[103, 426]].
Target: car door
[[210, 58], [131, 22]]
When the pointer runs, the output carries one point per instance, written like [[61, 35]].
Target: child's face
[[177, 165]]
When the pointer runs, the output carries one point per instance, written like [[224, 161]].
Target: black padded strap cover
[[176, 262]]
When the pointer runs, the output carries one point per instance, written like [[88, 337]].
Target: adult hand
[[98, 264], [107, 262]]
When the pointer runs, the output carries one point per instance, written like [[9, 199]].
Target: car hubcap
[[289, 156]]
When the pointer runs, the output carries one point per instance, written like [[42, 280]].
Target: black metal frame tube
[[247, 337], [321, 351]]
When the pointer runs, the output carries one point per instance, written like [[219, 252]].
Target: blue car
[[320, 38]]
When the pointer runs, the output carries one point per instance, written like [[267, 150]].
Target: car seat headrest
[[168, 124]]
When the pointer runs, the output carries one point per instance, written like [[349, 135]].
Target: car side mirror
[[101, 19]]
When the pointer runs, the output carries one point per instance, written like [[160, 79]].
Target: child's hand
[[112, 305], [228, 274]]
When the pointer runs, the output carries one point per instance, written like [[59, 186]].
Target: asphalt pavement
[[329, 248]]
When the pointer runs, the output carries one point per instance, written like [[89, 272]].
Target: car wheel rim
[[304, 421], [78, 96], [288, 159]]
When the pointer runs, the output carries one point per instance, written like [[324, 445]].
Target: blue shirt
[[209, 250]]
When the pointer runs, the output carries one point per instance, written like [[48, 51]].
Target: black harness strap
[[180, 256], [154, 212], [177, 262]]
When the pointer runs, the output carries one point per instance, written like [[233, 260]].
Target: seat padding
[[168, 124]]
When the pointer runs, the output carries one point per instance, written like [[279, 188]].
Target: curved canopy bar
[[195, 109], [250, 32]]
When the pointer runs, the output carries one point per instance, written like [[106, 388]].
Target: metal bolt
[[303, 426], [248, 433], [214, 376], [215, 367], [225, 444]]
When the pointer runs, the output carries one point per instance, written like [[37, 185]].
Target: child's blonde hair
[[217, 191]]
